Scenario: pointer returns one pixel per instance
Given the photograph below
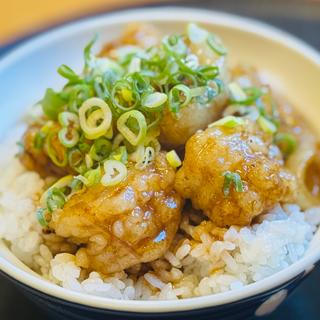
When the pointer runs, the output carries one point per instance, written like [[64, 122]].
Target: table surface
[[301, 18]]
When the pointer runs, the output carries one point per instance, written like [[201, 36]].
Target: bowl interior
[[290, 66]]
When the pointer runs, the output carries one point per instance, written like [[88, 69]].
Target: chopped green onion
[[123, 96], [68, 73], [120, 154], [88, 160], [75, 158], [199, 91], [100, 149], [232, 178], [237, 94], [173, 159], [55, 199], [174, 45], [154, 102], [148, 157], [41, 217], [88, 56], [196, 34], [60, 184], [52, 104], [215, 43], [92, 176], [140, 84], [39, 140], [228, 121], [286, 142], [67, 119], [140, 121], [135, 65], [98, 122], [179, 97], [55, 150], [266, 125], [115, 172], [68, 138]]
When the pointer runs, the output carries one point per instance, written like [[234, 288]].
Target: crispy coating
[[121, 226], [246, 151], [176, 130]]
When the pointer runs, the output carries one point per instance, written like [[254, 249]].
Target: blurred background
[[22, 19]]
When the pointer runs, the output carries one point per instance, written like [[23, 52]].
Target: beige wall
[[21, 17]]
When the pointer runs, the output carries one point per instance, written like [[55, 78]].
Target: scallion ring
[[69, 138], [286, 142], [216, 45], [60, 184], [41, 215], [67, 119], [228, 121], [148, 157], [123, 96], [266, 125], [55, 199], [154, 102], [56, 150], [139, 122], [179, 97], [100, 149], [115, 172], [99, 123]]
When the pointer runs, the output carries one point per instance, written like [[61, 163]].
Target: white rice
[[195, 265]]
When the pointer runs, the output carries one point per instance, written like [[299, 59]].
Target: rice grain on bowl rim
[[201, 265]]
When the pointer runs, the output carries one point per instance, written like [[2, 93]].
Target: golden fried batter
[[246, 151], [121, 226]]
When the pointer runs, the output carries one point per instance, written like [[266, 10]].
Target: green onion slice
[[92, 176], [52, 104], [98, 122], [100, 149], [60, 184], [128, 133], [266, 125], [228, 121], [123, 96], [120, 154], [179, 97], [68, 138], [286, 142], [154, 102], [56, 150], [39, 140], [55, 199], [232, 178], [237, 93], [216, 45], [67, 119], [68, 73], [196, 34], [173, 159], [115, 172], [41, 215]]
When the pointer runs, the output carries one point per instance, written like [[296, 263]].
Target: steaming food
[[160, 172]]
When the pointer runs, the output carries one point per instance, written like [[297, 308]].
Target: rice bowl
[[237, 256]]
